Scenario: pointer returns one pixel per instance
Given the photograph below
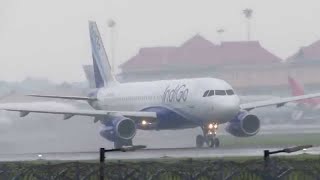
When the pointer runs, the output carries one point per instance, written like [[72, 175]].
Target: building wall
[[243, 78]]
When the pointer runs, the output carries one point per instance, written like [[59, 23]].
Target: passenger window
[[220, 92], [206, 93], [230, 92], [211, 93]]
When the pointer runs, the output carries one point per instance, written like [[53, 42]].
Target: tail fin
[[101, 66], [296, 88]]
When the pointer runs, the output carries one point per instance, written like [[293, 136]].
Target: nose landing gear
[[208, 137]]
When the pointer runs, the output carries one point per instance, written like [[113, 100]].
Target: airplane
[[123, 108], [303, 107], [267, 115]]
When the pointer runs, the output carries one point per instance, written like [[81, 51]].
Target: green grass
[[304, 167], [300, 157], [270, 140]]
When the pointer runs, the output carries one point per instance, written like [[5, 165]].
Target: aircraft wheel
[[199, 141], [213, 142], [217, 142]]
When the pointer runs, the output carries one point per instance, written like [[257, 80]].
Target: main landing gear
[[208, 137]]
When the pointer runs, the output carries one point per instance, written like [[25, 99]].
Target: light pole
[[248, 14], [267, 153], [112, 26], [123, 149], [220, 32]]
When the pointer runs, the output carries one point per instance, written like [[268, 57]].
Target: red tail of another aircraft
[[297, 89]]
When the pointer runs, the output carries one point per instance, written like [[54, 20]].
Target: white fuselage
[[185, 95]]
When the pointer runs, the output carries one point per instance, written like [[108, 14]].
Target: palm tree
[[248, 14], [220, 31], [112, 26]]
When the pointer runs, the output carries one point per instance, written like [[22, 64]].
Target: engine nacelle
[[119, 128], [244, 125]]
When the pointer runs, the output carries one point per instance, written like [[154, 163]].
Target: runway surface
[[150, 154], [66, 146], [22, 139]]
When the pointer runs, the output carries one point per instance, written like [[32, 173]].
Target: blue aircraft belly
[[170, 119]]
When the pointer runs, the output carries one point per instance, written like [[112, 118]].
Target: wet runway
[[150, 154], [76, 139]]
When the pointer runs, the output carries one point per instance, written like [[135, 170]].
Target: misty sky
[[49, 38]]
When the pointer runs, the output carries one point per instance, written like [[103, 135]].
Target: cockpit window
[[220, 92], [211, 93], [230, 92], [205, 93]]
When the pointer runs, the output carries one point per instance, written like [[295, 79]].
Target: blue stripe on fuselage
[[170, 119]]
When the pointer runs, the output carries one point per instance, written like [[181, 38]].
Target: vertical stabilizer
[[101, 66], [296, 88]]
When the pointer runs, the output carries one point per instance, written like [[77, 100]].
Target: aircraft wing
[[64, 97], [98, 114], [276, 101]]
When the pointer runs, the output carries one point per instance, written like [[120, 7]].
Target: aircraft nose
[[227, 107]]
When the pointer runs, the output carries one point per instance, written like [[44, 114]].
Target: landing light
[[40, 156], [304, 150], [213, 126], [144, 122]]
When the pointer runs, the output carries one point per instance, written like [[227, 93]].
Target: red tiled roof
[[196, 50], [311, 52], [246, 52], [199, 51], [149, 57], [197, 41]]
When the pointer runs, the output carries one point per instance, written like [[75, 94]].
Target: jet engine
[[244, 125], [119, 128]]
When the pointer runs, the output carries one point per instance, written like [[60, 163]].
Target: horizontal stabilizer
[[84, 98], [97, 114]]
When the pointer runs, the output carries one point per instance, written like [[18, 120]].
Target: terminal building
[[305, 65], [246, 65]]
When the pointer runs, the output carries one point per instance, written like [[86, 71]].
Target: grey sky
[[49, 39]]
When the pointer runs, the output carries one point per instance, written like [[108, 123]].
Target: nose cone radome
[[226, 108]]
